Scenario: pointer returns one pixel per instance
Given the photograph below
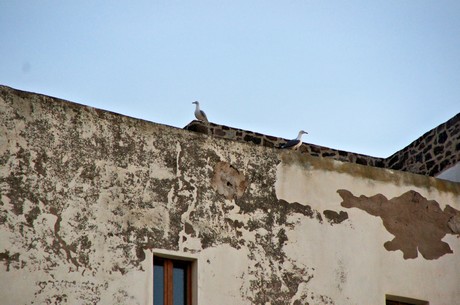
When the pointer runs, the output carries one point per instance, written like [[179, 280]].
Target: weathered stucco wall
[[88, 195]]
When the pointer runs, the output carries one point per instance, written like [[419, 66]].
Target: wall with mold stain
[[88, 195]]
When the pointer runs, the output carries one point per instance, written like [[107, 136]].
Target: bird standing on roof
[[199, 114], [294, 144]]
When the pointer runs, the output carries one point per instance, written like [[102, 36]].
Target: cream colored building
[[99, 208]]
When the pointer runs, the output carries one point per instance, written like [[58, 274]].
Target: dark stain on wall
[[9, 258], [334, 217], [417, 223], [60, 244], [32, 215]]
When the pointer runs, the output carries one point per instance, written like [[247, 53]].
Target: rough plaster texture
[[88, 195]]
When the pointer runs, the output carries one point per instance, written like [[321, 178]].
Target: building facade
[[100, 208]]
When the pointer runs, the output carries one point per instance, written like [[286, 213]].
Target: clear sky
[[362, 76]]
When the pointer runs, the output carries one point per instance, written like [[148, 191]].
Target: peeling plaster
[[417, 223], [228, 181], [87, 194], [334, 217]]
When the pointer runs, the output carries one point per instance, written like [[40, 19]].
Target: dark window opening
[[397, 300], [171, 282], [389, 302]]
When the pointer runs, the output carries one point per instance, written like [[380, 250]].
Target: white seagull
[[294, 144], [199, 114]]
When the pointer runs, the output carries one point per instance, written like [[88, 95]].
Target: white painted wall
[[131, 186], [354, 250]]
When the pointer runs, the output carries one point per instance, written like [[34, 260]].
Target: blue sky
[[362, 76]]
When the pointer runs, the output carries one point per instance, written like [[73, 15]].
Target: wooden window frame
[[168, 265]]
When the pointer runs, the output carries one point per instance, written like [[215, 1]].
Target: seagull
[[294, 144], [199, 114]]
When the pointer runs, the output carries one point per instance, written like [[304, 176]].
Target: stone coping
[[227, 132], [429, 155]]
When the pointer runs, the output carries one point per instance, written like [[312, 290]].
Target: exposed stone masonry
[[435, 151], [432, 153]]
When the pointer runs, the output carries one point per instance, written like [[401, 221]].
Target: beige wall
[[88, 196]]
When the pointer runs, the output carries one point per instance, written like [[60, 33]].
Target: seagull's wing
[[203, 115], [290, 143]]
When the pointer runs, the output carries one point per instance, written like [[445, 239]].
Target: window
[[172, 281], [396, 300], [389, 302]]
